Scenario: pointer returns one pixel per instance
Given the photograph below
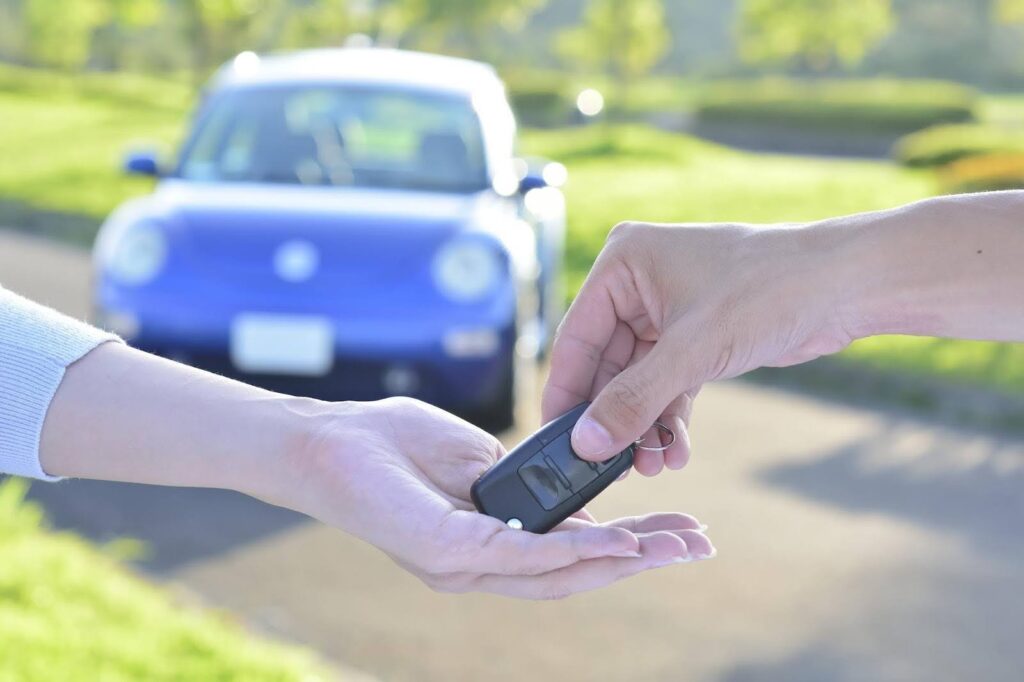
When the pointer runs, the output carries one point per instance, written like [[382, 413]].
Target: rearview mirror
[[142, 163]]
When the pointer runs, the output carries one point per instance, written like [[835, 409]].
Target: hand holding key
[[542, 482], [398, 472], [666, 309]]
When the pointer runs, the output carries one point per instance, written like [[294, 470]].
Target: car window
[[321, 135]]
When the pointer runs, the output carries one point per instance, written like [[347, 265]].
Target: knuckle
[[402, 403], [623, 231]]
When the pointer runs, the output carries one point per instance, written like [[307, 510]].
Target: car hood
[[363, 237], [195, 201]]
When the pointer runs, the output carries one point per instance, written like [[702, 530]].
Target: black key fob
[[542, 482]]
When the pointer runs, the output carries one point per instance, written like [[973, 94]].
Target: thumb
[[627, 407]]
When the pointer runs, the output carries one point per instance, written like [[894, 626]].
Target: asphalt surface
[[853, 545]]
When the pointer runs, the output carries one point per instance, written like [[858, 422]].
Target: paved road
[[853, 545]]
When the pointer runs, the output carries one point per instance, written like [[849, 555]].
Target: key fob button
[[579, 472], [543, 482], [558, 472]]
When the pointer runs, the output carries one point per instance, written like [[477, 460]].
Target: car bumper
[[462, 365]]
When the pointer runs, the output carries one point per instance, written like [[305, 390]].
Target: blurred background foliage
[[863, 105], [981, 39]]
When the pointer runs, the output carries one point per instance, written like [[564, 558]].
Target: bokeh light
[[555, 174], [590, 102], [246, 61]]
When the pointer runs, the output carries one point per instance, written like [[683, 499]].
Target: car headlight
[[138, 254], [467, 269]]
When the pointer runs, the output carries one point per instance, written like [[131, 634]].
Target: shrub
[[984, 173], [840, 106], [940, 145], [540, 99]]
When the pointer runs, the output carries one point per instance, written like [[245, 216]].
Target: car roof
[[370, 66]]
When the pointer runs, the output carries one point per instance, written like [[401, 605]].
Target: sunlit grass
[[978, 363], [62, 141], [69, 612]]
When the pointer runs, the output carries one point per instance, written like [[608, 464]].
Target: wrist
[[798, 266], [870, 265], [314, 441], [290, 431]]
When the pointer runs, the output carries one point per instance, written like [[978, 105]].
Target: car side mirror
[[531, 181], [142, 163]]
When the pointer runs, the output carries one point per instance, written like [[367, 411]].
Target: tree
[[439, 22], [815, 34], [218, 29], [1010, 11], [309, 23], [59, 33], [123, 23], [623, 38]]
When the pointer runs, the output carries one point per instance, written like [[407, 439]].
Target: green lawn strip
[[64, 155], [63, 139], [995, 365], [70, 612]]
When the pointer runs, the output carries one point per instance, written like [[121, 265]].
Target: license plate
[[282, 344]]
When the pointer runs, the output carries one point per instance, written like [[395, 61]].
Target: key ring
[[658, 425]]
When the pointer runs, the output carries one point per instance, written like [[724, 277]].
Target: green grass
[[998, 366], [70, 612], [63, 138]]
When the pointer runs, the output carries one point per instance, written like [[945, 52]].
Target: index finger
[[579, 345]]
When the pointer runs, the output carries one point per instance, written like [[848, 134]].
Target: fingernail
[[628, 554], [703, 528], [590, 438], [684, 559], [705, 556]]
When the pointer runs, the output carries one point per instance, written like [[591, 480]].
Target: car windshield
[[342, 136]]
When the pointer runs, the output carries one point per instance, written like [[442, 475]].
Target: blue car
[[345, 224]]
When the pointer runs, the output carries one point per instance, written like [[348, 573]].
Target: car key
[[542, 482]]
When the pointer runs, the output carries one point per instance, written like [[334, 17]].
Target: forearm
[[950, 267], [124, 415]]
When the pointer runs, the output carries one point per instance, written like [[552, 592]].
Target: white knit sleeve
[[36, 345]]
